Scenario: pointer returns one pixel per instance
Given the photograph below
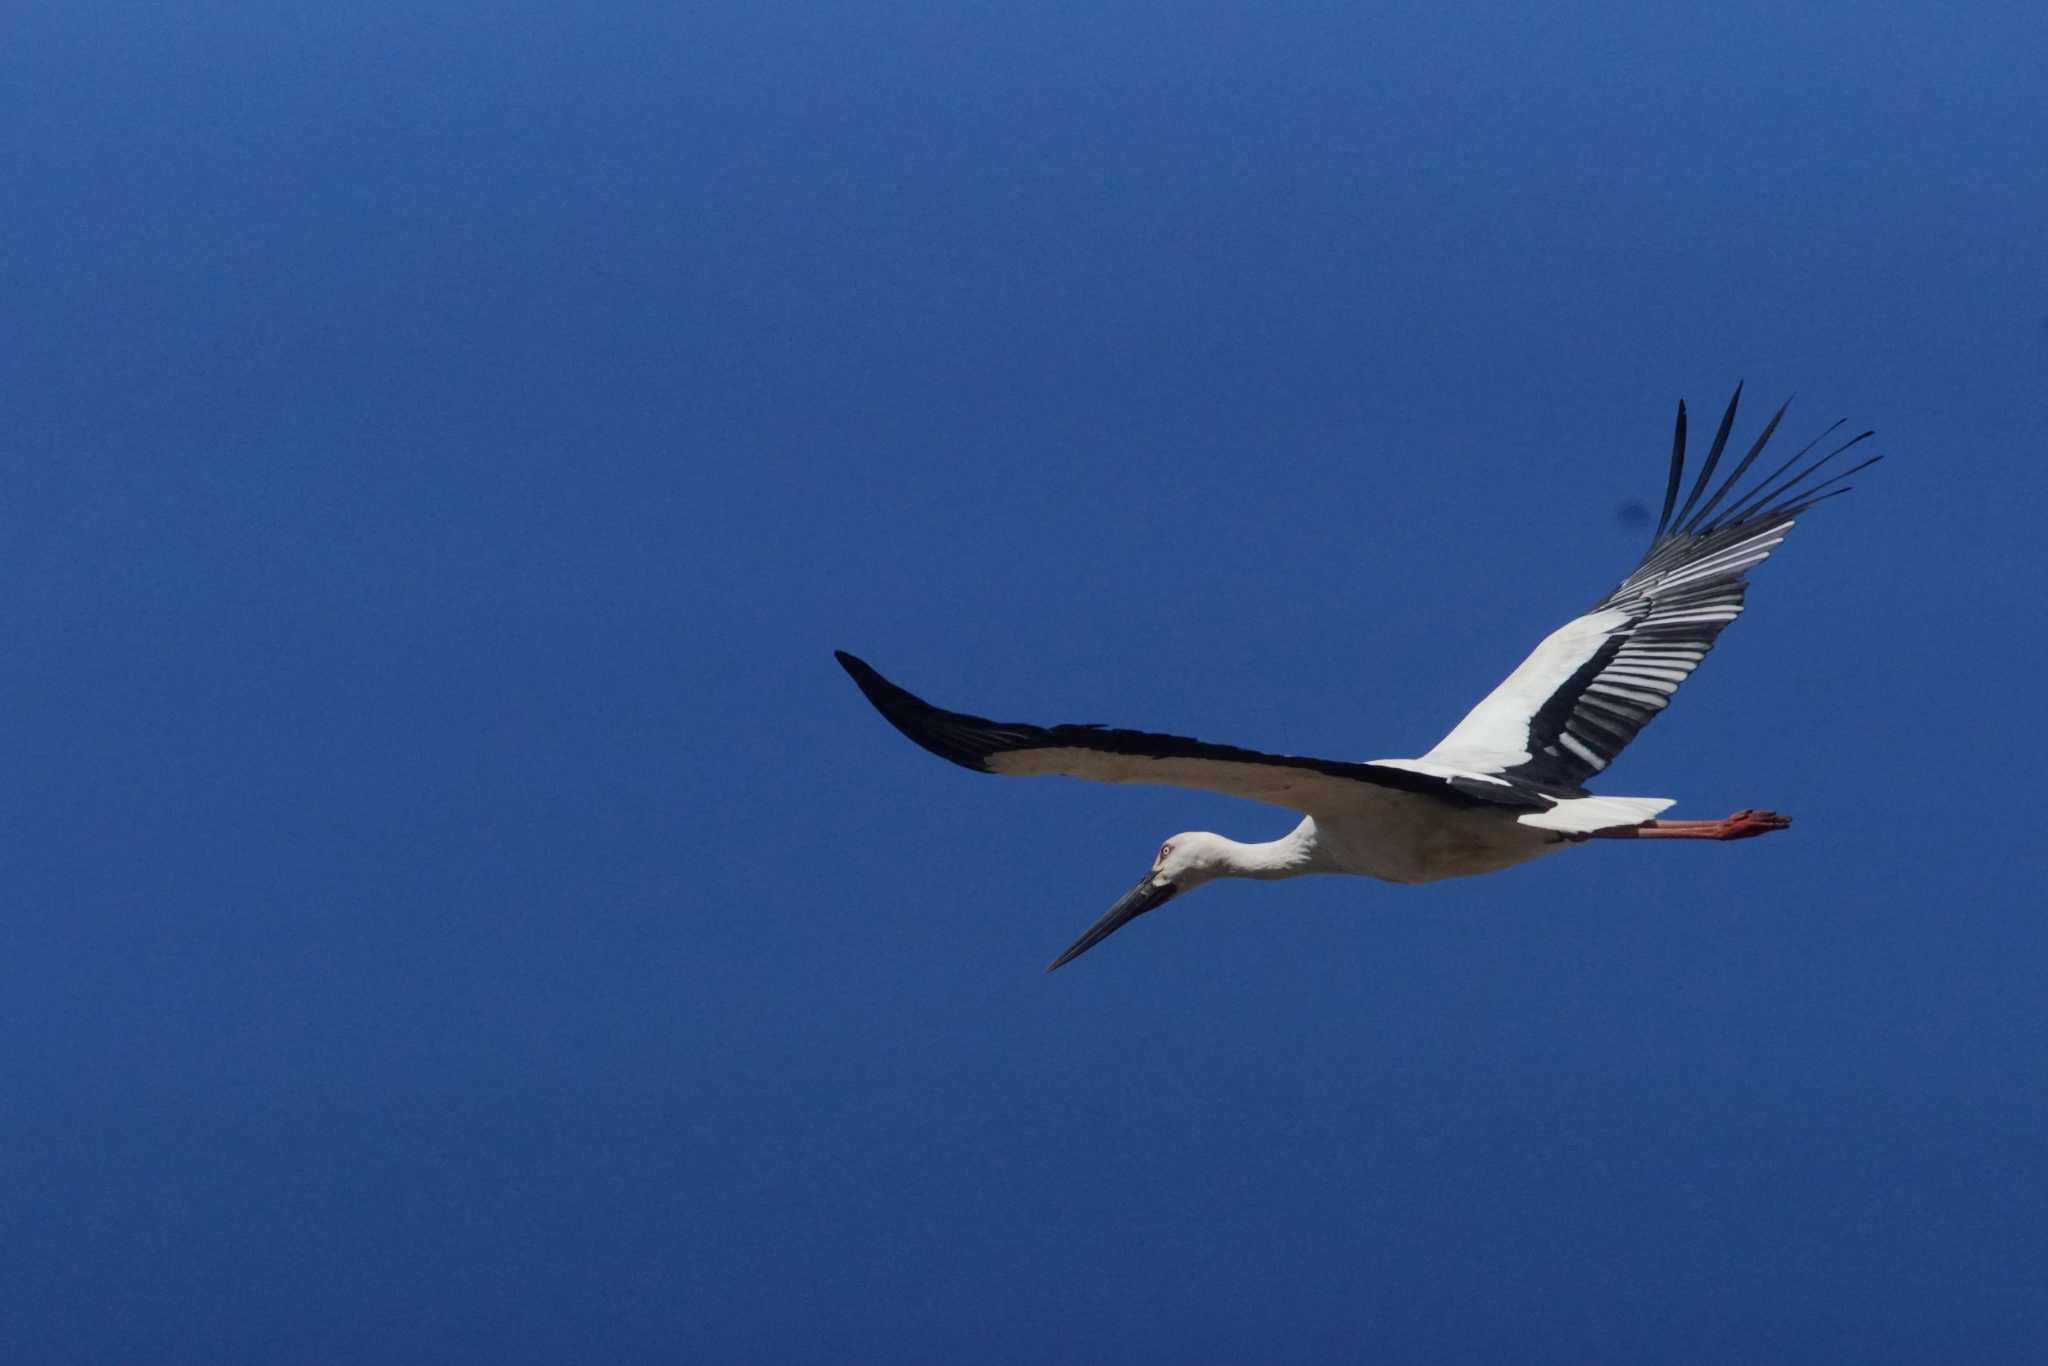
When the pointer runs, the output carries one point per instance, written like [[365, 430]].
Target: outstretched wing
[[1104, 755], [1593, 683]]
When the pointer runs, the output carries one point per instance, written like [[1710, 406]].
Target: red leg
[[1740, 826]]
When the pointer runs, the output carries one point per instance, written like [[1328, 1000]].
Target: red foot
[[1749, 824], [1743, 825]]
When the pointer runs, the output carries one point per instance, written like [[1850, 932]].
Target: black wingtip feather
[[1772, 498], [1749, 502], [1776, 495], [1677, 473], [1808, 497], [1742, 467], [864, 675], [886, 696], [953, 736], [1699, 485]]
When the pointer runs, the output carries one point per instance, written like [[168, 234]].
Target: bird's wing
[[1568, 710], [1134, 756]]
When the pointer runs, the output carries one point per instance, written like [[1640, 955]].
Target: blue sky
[[455, 909]]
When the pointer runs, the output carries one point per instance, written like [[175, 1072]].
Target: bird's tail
[[1584, 815]]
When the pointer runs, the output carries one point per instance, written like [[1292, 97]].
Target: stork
[[1508, 783]]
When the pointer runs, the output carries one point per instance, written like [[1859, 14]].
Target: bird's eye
[[1164, 850]]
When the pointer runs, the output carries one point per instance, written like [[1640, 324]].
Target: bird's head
[[1183, 863]]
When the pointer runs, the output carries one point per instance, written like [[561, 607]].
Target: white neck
[[1293, 854]]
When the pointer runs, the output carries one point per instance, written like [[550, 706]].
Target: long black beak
[[1147, 895]]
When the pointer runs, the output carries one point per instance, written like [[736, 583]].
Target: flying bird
[[1508, 783]]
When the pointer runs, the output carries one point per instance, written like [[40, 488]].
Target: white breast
[[1399, 838]]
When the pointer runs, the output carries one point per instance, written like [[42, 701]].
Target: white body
[[1399, 840], [1395, 838]]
